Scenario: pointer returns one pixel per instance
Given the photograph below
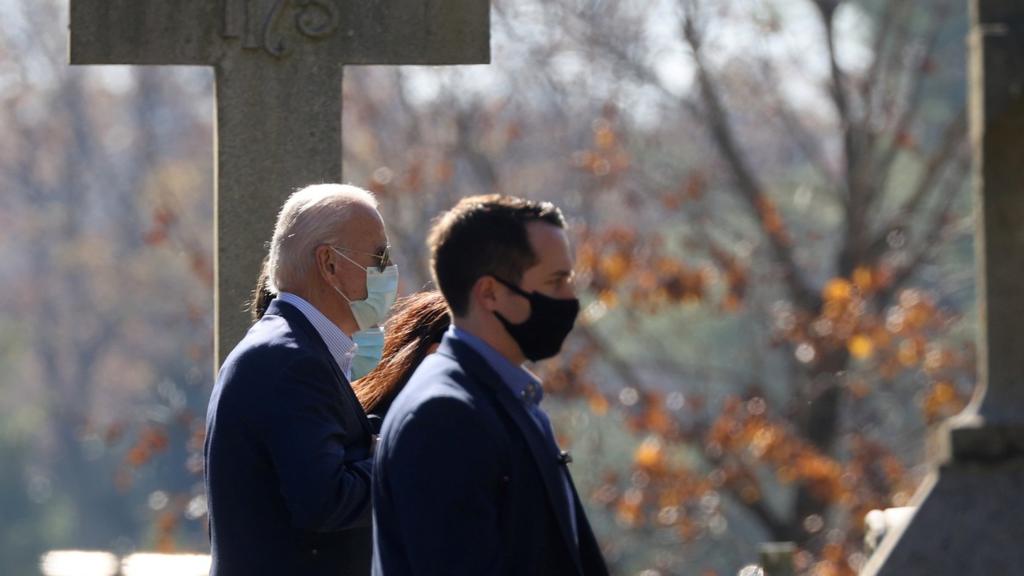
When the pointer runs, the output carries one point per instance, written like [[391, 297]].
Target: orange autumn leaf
[[604, 138], [941, 401], [695, 186], [863, 278], [771, 219], [630, 507], [838, 290], [731, 303], [909, 353], [166, 525], [672, 202], [615, 267], [861, 347], [881, 337], [859, 389], [649, 454], [608, 297], [906, 140]]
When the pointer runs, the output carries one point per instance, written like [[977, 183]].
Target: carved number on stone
[[313, 18]]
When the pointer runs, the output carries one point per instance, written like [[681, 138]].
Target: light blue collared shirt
[[342, 347], [526, 387], [523, 384]]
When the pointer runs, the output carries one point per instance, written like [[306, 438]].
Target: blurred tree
[[106, 247], [785, 173], [817, 219]]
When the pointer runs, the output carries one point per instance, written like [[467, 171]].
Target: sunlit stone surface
[[166, 565], [78, 563]]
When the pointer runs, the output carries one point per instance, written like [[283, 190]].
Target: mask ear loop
[[354, 263], [516, 290], [512, 287], [338, 290]]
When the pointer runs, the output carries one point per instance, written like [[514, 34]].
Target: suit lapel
[[543, 455], [298, 321]]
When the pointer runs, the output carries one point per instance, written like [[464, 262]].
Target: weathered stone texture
[[970, 516], [279, 68]]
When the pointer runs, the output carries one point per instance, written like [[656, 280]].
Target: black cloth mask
[[541, 335]]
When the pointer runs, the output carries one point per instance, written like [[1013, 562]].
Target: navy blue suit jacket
[[287, 457], [466, 483]]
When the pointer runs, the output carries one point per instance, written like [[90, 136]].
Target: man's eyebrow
[[560, 274]]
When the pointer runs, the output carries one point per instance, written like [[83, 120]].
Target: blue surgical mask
[[381, 291], [370, 347]]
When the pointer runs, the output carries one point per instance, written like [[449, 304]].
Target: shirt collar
[[521, 381], [342, 347]]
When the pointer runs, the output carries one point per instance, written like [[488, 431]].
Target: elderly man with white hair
[[288, 448]]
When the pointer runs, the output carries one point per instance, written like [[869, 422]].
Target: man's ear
[[484, 292], [325, 264]]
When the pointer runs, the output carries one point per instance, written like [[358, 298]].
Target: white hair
[[309, 218]]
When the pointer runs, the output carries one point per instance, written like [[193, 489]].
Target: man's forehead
[[550, 244]]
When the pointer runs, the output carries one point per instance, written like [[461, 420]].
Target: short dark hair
[[484, 236]]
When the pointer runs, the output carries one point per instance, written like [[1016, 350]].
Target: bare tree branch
[[953, 138], [859, 196], [933, 231], [779, 528], [888, 44], [775, 525], [918, 71], [748, 186], [895, 12], [808, 145], [936, 166], [826, 9], [624, 370]]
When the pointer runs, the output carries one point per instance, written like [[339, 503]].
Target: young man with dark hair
[[468, 478]]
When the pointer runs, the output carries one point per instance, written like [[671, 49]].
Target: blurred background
[[770, 206]]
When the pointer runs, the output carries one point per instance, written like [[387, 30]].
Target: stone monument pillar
[[278, 66], [969, 517]]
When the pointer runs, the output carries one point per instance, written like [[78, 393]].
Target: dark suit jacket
[[465, 482], [287, 457]]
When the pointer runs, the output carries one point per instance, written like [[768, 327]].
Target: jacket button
[[314, 551]]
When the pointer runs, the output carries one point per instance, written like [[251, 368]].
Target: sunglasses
[[383, 256]]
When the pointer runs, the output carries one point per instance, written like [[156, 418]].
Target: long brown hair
[[261, 295], [419, 321]]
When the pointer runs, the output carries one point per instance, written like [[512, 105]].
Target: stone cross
[[278, 70], [970, 513]]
